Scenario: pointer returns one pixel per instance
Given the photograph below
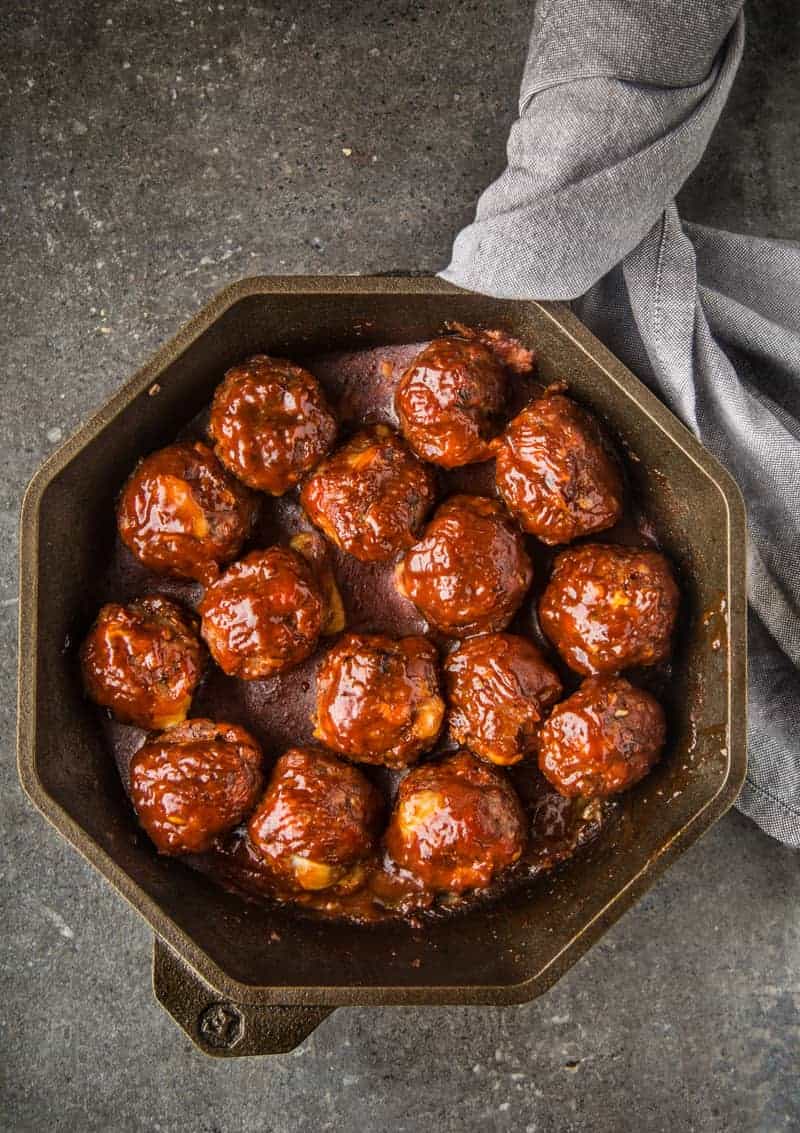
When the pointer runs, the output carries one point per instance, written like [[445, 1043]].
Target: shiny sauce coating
[[182, 514], [371, 496], [143, 661], [607, 607], [603, 739], [317, 823], [450, 400], [457, 824], [378, 698], [470, 571], [279, 710], [264, 614], [195, 782], [499, 690], [270, 423], [556, 472]]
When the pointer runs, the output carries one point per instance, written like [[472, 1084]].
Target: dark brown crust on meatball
[[608, 608], [182, 514], [515, 357], [456, 824], [602, 739], [194, 782], [449, 401], [556, 473], [270, 423], [499, 689], [143, 661], [371, 497], [263, 615], [378, 699], [470, 571], [317, 821]]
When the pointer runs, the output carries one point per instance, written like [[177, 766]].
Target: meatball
[[456, 825], [263, 615], [317, 822], [602, 739], [607, 608], [556, 473], [378, 699], [449, 401], [270, 423], [499, 689], [143, 661], [182, 514], [371, 496], [469, 572], [195, 782]]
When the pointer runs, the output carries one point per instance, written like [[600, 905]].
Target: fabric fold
[[619, 98]]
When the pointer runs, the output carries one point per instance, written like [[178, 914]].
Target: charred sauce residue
[[279, 710]]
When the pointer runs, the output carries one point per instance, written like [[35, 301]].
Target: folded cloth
[[619, 98]]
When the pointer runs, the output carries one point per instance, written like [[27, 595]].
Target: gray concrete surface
[[152, 151]]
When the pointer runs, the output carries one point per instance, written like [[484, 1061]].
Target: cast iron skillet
[[241, 979]]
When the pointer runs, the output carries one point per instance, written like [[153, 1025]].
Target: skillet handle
[[218, 1027]]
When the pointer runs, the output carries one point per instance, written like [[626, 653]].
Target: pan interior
[[496, 947]]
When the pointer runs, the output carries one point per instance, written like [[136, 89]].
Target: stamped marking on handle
[[221, 1025]]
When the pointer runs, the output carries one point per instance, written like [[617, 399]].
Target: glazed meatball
[[195, 782], [607, 608], [143, 661], [263, 615], [182, 514], [456, 824], [499, 689], [270, 423], [449, 401], [317, 822], [378, 699], [602, 739], [556, 473], [469, 572], [371, 496]]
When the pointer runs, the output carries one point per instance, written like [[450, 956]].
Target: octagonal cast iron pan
[[215, 968]]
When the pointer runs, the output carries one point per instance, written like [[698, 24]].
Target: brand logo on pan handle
[[221, 1025]]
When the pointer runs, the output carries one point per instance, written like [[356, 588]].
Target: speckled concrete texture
[[153, 151]]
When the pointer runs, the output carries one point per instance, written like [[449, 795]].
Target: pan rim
[[357, 995]]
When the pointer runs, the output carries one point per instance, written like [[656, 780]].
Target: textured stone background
[[153, 151]]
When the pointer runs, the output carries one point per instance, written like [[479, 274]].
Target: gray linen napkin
[[619, 98]]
